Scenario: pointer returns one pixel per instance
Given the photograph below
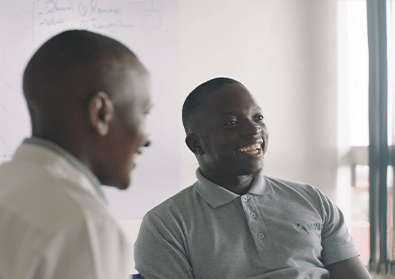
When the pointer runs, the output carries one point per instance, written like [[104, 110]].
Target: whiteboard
[[151, 30]]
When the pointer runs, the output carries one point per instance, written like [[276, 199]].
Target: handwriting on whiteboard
[[81, 14], [94, 8]]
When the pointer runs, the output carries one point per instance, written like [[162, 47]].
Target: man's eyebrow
[[229, 113], [256, 109]]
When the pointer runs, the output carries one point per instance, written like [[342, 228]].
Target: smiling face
[[231, 133], [127, 133]]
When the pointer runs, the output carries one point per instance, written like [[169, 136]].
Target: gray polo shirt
[[279, 229]]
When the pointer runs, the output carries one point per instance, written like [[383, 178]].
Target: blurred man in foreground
[[88, 97]]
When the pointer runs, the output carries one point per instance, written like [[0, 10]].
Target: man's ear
[[193, 144], [101, 112]]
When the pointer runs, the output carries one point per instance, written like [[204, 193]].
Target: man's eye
[[259, 117], [231, 122]]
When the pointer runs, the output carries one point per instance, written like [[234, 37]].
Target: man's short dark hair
[[196, 100], [70, 66], [64, 53]]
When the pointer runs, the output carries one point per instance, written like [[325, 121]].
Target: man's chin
[[121, 185], [125, 183], [253, 170]]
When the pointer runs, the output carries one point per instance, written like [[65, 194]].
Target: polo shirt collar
[[261, 185], [70, 158], [216, 195]]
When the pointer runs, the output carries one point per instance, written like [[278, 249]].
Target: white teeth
[[252, 147]]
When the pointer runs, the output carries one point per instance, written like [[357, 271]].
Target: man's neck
[[240, 184]]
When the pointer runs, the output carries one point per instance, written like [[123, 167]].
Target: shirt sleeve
[[337, 242], [88, 250], [160, 251]]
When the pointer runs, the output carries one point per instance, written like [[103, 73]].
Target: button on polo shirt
[[218, 196]]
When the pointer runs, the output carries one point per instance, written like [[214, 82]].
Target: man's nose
[[146, 139], [252, 128], [147, 143]]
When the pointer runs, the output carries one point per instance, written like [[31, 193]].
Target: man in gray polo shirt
[[235, 222]]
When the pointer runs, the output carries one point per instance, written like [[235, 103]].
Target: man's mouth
[[136, 155], [253, 149]]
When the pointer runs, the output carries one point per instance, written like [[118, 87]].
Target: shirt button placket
[[253, 215]]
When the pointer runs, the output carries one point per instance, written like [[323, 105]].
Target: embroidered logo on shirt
[[309, 227]]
